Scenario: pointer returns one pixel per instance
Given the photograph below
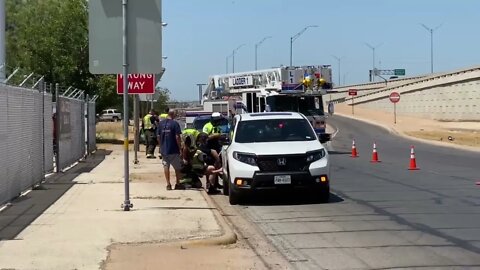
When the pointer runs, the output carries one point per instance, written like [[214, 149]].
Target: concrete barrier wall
[[457, 102], [450, 97]]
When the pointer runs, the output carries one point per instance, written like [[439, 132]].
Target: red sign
[[352, 92], [394, 97], [137, 84]]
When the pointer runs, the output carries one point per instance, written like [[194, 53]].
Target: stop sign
[[394, 97]]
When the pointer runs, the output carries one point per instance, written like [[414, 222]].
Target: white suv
[[272, 151], [110, 115]]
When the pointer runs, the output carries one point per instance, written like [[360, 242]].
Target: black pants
[[151, 141]]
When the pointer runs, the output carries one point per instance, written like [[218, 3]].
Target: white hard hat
[[216, 115]]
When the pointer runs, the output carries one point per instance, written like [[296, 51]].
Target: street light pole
[[431, 30], [200, 92], [373, 50], [293, 38], [256, 48], [339, 71], [233, 56]]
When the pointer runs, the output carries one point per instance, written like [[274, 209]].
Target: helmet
[[216, 116]]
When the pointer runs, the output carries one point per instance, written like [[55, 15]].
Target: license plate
[[282, 179]]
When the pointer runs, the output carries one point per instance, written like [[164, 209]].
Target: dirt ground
[[460, 133], [157, 256]]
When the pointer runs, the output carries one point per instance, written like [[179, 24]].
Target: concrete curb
[[227, 238], [402, 134]]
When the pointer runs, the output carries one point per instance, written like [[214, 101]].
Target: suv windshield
[[274, 130]]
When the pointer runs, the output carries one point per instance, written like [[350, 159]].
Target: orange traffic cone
[[354, 150], [375, 154], [413, 162]]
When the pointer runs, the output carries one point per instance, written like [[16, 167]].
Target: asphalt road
[[382, 216]]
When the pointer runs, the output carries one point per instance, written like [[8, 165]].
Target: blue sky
[[202, 33]]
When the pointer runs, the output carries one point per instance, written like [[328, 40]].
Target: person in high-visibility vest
[[164, 115], [149, 125], [211, 128]]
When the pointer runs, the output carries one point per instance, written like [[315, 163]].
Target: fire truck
[[297, 89]]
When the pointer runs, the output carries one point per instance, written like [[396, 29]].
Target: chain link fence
[[41, 133]]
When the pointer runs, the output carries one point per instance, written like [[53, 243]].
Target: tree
[[50, 38]]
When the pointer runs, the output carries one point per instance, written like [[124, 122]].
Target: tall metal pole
[[233, 57], [431, 30], [226, 65], [293, 38], [3, 64], [291, 47], [151, 102], [256, 48], [126, 204], [57, 126], [431, 51], [373, 63], [200, 91], [339, 70], [135, 129]]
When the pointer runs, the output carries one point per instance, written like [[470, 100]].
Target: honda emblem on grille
[[282, 161]]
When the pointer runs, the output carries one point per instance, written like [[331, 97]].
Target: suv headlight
[[248, 158], [315, 155]]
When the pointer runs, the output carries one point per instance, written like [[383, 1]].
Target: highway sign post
[[352, 93], [122, 44], [394, 98]]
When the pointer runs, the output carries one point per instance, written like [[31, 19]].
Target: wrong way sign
[[137, 84], [394, 97]]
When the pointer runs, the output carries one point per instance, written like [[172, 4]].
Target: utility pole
[[431, 30]]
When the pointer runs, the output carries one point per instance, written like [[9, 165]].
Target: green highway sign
[[399, 72]]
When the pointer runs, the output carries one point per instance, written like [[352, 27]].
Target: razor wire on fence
[[38, 133]]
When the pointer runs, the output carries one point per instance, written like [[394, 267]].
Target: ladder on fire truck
[[280, 79]]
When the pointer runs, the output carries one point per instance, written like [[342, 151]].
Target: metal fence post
[[57, 126], [87, 103], [42, 91], [135, 128]]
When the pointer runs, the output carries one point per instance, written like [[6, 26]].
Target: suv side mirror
[[324, 137]]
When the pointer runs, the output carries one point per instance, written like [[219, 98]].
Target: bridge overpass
[[448, 96]]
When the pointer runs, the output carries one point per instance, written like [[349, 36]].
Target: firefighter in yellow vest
[[164, 115], [149, 125], [211, 128]]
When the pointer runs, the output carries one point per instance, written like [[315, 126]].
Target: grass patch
[[469, 138], [110, 131]]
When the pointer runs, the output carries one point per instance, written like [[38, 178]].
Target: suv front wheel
[[234, 196]]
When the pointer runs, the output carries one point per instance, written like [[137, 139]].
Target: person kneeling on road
[[193, 167], [212, 163]]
